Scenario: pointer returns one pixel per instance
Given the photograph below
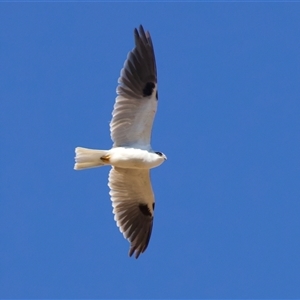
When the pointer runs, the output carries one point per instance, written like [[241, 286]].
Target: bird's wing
[[133, 206], [136, 103]]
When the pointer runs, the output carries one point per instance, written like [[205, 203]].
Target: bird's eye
[[159, 153]]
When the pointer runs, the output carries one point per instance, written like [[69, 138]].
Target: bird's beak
[[165, 157]]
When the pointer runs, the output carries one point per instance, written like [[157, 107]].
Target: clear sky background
[[227, 200]]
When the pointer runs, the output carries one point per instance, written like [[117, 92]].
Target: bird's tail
[[88, 158]]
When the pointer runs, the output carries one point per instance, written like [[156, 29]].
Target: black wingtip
[[132, 250], [140, 31]]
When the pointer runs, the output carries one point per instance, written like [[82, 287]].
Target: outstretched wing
[[136, 103], [133, 206]]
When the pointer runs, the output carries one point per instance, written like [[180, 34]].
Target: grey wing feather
[[136, 103], [139, 70], [133, 206]]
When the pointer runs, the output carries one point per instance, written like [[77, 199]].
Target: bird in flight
[[131, 156]]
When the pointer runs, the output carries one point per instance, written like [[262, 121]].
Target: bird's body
[[121, 157], [131, 156]]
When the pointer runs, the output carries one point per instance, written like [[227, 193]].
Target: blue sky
[[227, 200]]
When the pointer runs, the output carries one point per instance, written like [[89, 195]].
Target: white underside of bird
[[122, 157]]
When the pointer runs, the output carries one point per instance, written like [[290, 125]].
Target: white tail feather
[[88, 158]]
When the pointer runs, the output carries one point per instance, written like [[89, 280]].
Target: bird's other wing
[[133, 206], [136, 103]]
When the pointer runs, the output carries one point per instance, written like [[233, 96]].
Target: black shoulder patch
[[156, 95], [153, 205], [148, 89], [145, 210]]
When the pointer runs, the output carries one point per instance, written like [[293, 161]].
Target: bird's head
[[161, 155]]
